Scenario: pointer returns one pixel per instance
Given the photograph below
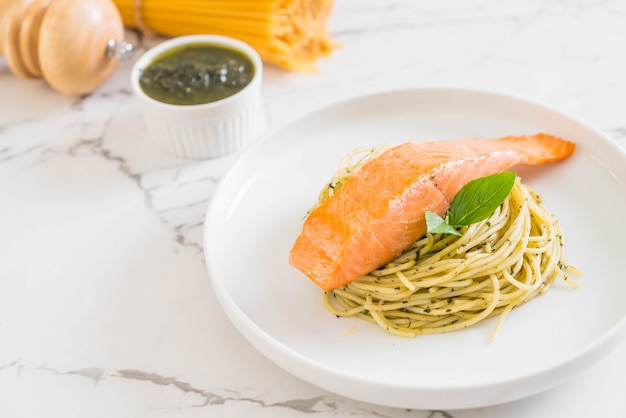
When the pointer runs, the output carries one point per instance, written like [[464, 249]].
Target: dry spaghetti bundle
[[289, 33]]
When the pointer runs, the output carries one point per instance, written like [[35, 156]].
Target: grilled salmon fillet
[[380, 210]]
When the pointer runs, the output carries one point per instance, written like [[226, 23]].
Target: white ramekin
[[205, 130]]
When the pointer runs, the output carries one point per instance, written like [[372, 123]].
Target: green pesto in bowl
[[196, 74]]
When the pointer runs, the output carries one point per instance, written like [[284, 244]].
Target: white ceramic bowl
[[205, 130]]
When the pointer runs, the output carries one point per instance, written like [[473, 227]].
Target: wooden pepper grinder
[[73, 44]]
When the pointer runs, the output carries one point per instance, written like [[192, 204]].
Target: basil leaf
[[478, 199], [435, 224]]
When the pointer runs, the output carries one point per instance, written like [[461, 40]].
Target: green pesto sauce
[[196, 74]]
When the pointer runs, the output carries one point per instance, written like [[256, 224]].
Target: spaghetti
[[288, 33], [446, 282]]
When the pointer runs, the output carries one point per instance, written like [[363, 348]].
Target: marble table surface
[[106, 309]]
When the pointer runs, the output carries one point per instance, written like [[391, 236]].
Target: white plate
[[258, 210]]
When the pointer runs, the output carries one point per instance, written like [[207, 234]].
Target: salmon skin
[[380, 210]]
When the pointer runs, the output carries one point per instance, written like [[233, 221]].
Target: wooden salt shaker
[[73, 44]]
